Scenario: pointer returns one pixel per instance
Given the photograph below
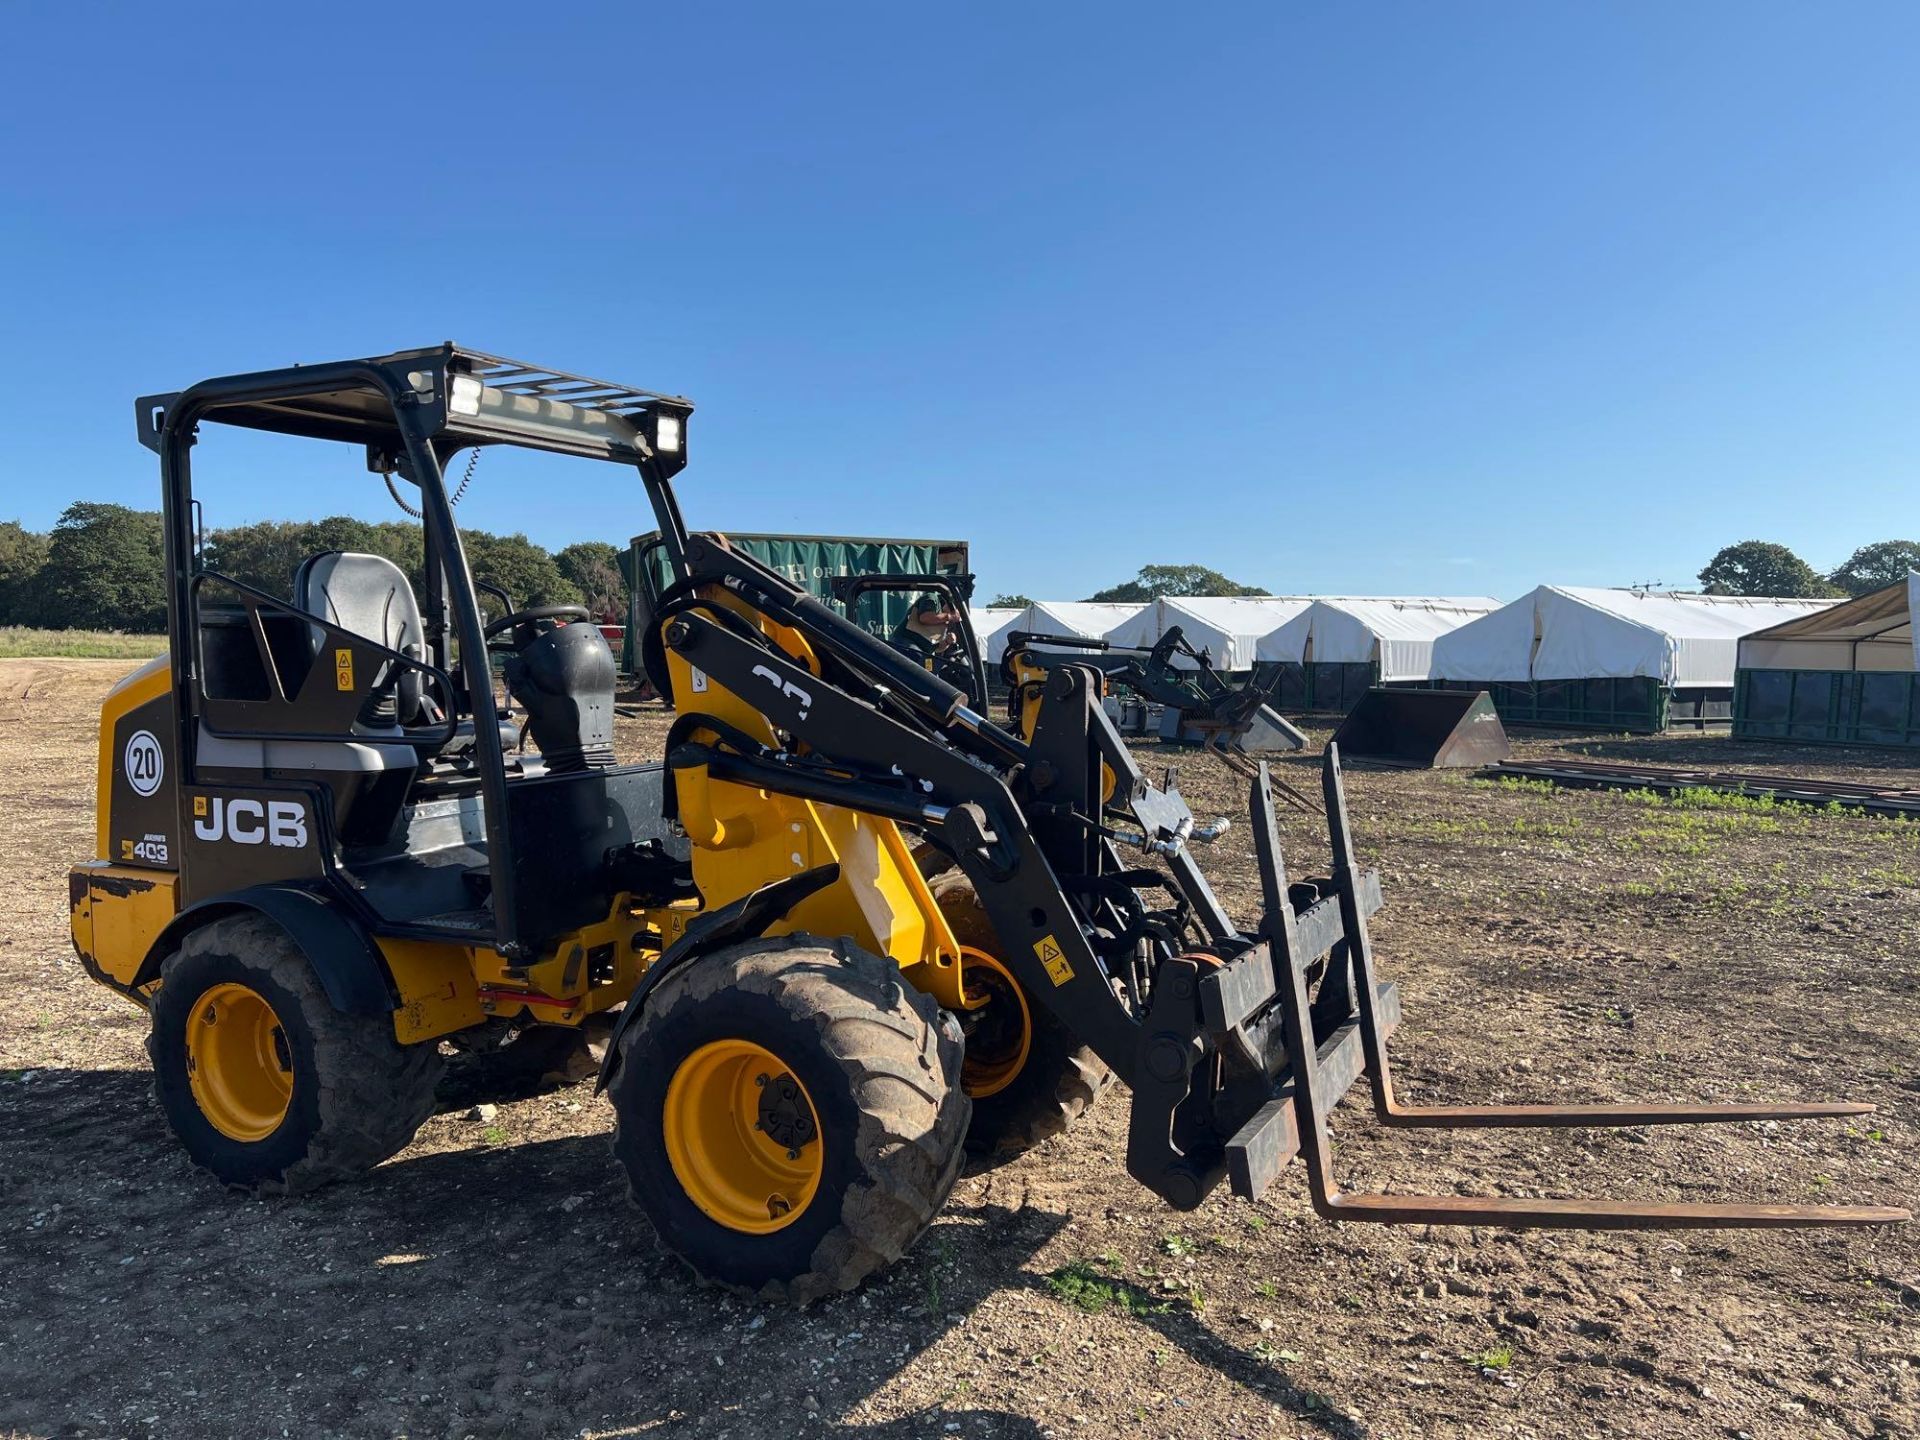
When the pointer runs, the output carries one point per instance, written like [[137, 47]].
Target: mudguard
[[344, 957], [744, 919]]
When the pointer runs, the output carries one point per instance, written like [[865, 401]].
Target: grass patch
[[1082, 1286], [1272, 1354], [1522, 785], [20, 642], [1495, 1357], [1701, 797]]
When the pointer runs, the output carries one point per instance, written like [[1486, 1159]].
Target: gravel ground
[[493, 1280]]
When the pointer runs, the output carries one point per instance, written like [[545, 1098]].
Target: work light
[[663, 425], [463, 395]]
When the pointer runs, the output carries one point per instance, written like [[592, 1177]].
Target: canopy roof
[[1872, 632], [1396, 632], [1089, 619], [1570, 632], [1227, 627]]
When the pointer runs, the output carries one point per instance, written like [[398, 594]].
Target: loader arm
[[1232, 1057]]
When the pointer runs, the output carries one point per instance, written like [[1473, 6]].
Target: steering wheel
[[533, 616]]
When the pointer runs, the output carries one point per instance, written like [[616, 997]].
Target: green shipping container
[[810, 561]]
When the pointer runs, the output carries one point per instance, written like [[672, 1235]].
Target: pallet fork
[[1295, 1119]]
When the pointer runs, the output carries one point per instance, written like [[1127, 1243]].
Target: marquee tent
[[1872, 632], [1336, 649], [1227, 627], [991, 625], [1568, 632], [1088, 619], [1581, 655], [1846, 674], [1394, 632]]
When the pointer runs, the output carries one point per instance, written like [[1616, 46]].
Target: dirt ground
[[493, 1280]]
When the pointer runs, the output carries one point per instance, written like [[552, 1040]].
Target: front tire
[[1057, 1078], [267, 1085], [789, 1114]]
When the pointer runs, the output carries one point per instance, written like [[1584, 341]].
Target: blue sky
[[1450, 298]]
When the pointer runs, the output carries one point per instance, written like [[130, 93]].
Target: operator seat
[[369, 595]]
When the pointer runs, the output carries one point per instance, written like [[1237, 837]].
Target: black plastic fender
[[745, 918], [343, 955]]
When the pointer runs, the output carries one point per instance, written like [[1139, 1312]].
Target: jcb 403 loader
[[326, 849]]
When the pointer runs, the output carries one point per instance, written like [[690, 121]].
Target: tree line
[[1761, 567], [101, 566], [1156, 582], [1749, 567]]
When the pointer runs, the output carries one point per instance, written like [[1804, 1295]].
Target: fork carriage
[[1318, 930]]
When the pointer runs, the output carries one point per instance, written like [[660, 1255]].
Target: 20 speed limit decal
[[145, 763]]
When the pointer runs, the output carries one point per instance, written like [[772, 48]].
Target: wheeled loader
[[1201, 706], [1233, 721], [327, 848]]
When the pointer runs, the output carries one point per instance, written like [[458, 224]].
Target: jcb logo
[[787, 688], [251, 822]]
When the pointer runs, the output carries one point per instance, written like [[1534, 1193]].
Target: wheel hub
[[239, 1062], [998, 1025], [743, 1136], [785, 1117]]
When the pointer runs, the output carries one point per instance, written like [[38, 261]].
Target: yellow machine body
[[121, 903], [744, 838], [1030, 689]]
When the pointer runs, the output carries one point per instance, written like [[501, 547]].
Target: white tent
[[1568, 632], [1088, 619], [1393, 632], [990, 626], [1227, 627], [1848, 675], [1872, 632]]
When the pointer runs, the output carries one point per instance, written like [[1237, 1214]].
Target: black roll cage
[[412, 410]]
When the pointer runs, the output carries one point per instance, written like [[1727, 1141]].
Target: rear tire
[[868, 1069], [351, 1094], [1061, 1077]]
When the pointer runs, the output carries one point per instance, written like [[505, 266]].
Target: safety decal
[[1051, 956], [146, 763], [343, 668]]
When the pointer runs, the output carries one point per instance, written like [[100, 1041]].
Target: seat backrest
[[369, 595]]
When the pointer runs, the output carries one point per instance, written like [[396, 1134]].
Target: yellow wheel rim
[[239, 1063], [1000, 1038], [743, 1137]]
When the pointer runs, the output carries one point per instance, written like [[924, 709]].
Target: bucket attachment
[[1262, 731], [1330, 1040], [1424, 729]]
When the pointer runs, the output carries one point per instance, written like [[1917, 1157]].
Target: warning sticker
[[1051, 956], [343, 669]]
